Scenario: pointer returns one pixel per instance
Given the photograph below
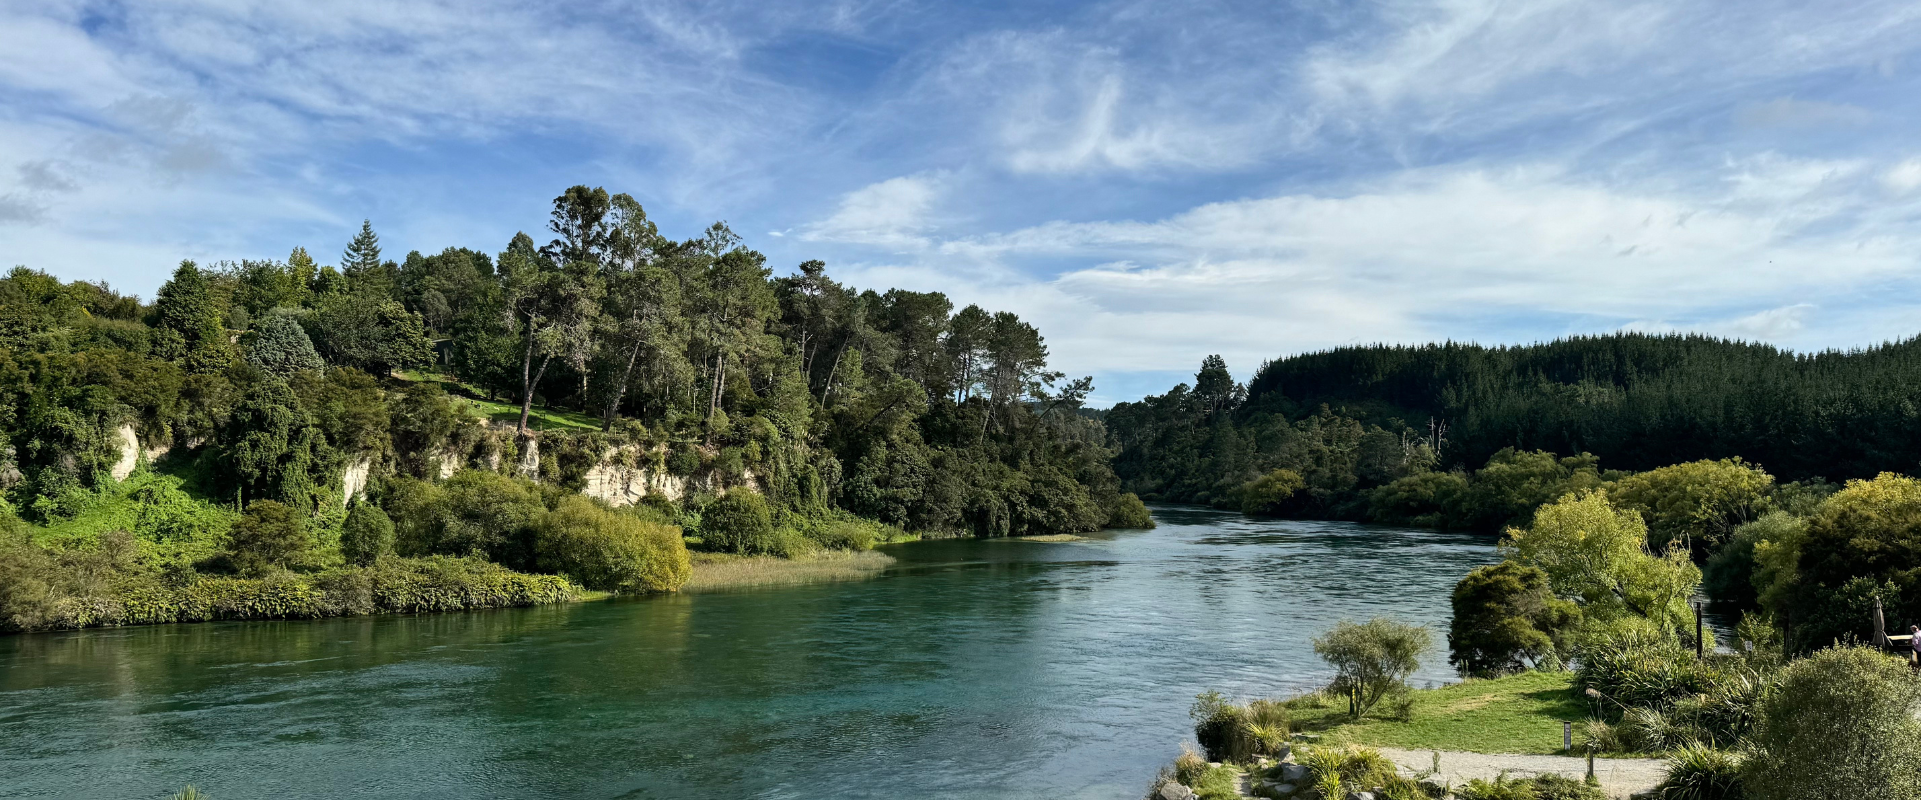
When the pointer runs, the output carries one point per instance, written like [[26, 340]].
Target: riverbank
[[715, 571]]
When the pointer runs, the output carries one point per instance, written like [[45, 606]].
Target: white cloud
[[1904, 177], [891, 213], [1788, 112]]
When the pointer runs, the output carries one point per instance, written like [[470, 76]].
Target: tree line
[[844, 413]]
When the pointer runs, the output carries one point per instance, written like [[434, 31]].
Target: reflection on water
[[969, 669]]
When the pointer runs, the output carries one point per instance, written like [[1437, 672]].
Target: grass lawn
[[1516, 714], [538, 418]]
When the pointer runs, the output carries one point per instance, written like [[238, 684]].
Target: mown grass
[[539, 417], [725, 571], [1515, 714]]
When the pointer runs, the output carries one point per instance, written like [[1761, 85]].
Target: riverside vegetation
[[1600, 565], [286, 439]]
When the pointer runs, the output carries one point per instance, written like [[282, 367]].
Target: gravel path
[[1619, 777]]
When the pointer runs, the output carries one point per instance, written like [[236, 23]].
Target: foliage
[[1598, 555], [1129, 512], [1698, 504], [1841, 723], [610, 550], [1269, 493], [739, 522], [472, 512], [1734, 572], [1507, 618], [1702, 773], [1333, 770], [270, 535], [1237, 733], [367, 535], [1666, 697], [280, 347], [1372, 659], [1547, 786], [1863, 543]]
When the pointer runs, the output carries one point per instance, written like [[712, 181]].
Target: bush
[[1539, 787], [1372, 660], [610, 550], [1594, 552], [1505, 619], [1333, 771], [1673, 697], [1558, 787], [1269, 493], [1701, 773], [739, 522], [1129, 512], [367, 535], [474, 511], [269, 535], [1217, 724], [1840, 723]]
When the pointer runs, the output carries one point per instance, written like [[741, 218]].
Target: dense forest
[[1722, 452], [352, 433]]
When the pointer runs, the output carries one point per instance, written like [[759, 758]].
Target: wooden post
[[1880, 625], [1567, 736]]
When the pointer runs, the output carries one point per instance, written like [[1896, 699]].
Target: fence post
[[1700, 641]]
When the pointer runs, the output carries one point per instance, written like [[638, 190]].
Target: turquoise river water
[[970, 669]]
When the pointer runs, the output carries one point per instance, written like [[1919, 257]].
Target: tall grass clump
[[1695, 772], [1237, 733]]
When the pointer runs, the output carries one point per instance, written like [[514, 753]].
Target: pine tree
[[363, 253], [189, 329]]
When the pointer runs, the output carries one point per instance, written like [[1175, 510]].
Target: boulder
[[1174, 791], [1360, 796], [1284, 751], [1293, 773], [1285, 789]]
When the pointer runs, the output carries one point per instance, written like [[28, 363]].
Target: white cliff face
[[529, 465], [129, 453], [353, 480], [622, 485]]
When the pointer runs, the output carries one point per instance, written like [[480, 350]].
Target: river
[[970, 669]]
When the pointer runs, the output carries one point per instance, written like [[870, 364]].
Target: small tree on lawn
[[1372, 660]]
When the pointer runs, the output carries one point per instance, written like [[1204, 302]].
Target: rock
[[1284, 751], [1360, 796], [1307, 737], [1174, 791], [1284, 789], [1293, 773]]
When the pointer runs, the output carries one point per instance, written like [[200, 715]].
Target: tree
[[1598, 555], [268, 536], [378, 336], [1372, 660], [1698, 504], [553, 309], [738, 522], [187, 323], [1863, 543], [610, 550], [1840, 723], [1268, 494], [367, 535], [424, 420], [273, 449], [1215, 388], [280, 347], [1506, 618], [360, 265]]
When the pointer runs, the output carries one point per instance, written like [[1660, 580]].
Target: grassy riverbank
[[724, 571], [1516, 714]]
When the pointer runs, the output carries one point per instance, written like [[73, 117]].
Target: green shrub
[[611, 550], [1558, 787], [1217, 725], [1702, 773], [367, 535], [269, 535], [1217, 783], [1189, 767], [1269, 493], [1501, 788], [1129, 512], [1840, 723], [1506, 618], [1372, 660], [739, 522]]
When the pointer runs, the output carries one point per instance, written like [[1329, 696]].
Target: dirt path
[[1619, 777]]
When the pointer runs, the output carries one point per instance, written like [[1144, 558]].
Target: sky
[[1147, 183]]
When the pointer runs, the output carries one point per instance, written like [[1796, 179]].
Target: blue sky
[[1147, 182]]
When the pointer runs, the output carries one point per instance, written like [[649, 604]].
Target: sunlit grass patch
[[1515, 714], [723, 571]]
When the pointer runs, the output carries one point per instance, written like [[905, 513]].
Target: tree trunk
[[620, 392], [828, 386], [526, 383], [527, 397]]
